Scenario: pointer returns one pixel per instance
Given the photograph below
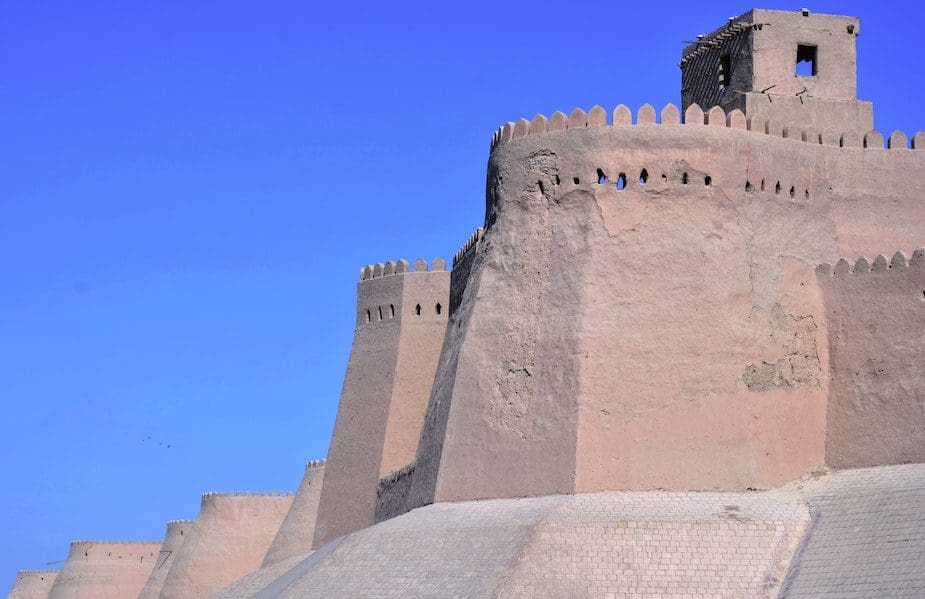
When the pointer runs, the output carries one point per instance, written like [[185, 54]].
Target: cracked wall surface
[[657, 283]]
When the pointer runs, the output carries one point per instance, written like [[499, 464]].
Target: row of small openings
[[417, 312], [643, 179], [777, 189]]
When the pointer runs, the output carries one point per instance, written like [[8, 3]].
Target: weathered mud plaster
[[177, 533], [33, 584], [229, 538], [401, 320], [105, 569], [876, 320], [298, 529]]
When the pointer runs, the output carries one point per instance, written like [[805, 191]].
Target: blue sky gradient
[[188, 191]]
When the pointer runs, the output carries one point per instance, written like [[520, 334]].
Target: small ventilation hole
[[417, 310], [762, 185], [806, 193], [439, 308], [793, 192], [708, 180], [601, 177], [558, 180], [621, 181], [684, 179], [664, 177], [777, 187], [644, 176], [748, 186], [576, 181]]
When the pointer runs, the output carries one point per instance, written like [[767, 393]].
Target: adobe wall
[[670, 334], [298, 528], [32, 584], [876, 320], [228, 539], [401, 320], [111, 569], [177, 533]]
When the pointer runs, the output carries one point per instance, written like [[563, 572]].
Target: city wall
[[229, 539], [111, 569], [177, 532], [655, 320], [298, 528], [401, 319], [876, 320], [33, 584]]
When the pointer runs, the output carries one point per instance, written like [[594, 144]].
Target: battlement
[[471, 244], [238, 494], [400, 267], [179, 522], [694, 115], [899, 262], [21, 572], [312, 464], [113, 542]]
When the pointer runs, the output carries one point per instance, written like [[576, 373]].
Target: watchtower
[[786, 66]]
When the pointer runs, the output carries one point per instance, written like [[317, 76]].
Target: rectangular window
[[725, 71], [806, 60]]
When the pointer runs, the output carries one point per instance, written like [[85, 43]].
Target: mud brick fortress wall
[[671, 325]]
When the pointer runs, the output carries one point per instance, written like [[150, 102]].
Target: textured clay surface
[[229, 539], [105, 569]]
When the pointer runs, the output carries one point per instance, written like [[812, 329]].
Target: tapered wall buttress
[[401, 322]]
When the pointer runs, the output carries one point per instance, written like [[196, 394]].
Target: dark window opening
[[380, 312], [417, 310], [644, 176], [369, 316], [748, 186], [391, 310], [684, 179], [439, 308], [762, 185], [576, 181], [806, 61], [558, 180], [621, 181], [664, 177], [601, 177], [540, 185], [725, 71], [793, 192], [708, 180], [777, 187]]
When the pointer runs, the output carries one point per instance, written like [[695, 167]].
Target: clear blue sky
[[188, 190]]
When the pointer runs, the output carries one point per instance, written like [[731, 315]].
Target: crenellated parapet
[[471, 245], [694, 115], [210, 495], [898, 264]]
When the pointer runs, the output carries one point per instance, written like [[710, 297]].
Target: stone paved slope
[[867, 537], [650, 543]]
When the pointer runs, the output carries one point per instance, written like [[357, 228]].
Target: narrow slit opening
[[601, 177], [644, 177], [621, 181]]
